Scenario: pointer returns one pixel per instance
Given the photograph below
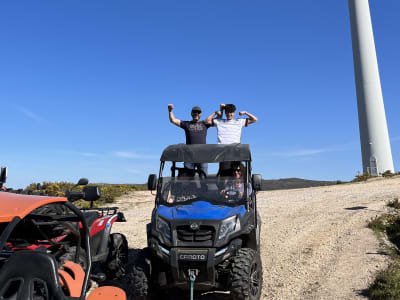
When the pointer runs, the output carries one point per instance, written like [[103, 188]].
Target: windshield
[[227, 190], [224, 183]]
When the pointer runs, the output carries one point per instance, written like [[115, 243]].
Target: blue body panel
[[200, 210]]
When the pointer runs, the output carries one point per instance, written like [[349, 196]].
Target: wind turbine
[[374, 136]]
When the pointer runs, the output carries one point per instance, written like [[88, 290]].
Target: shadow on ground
[[356, 207], [364, 293]]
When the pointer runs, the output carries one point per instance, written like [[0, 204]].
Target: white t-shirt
[[229, 131]]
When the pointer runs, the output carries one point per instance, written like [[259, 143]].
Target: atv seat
[[21, 272], [90, 217]]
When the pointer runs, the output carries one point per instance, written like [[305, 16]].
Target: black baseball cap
[[196, 108]]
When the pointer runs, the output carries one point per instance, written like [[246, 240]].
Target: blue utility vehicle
[[204, 233]]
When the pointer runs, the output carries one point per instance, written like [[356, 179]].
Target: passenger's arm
[[221, 109], [167, 194], [251, 119], [172, 118], [209, 119], [170, 198]]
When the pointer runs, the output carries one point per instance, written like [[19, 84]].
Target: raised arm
[[217, 113], [252, 118], [172, 118]]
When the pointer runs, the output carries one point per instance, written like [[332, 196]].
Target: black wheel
[[139, 276], [139, 283], [232, 195], [115, 265], [246, 275]]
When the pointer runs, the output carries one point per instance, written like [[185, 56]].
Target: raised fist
[[170, 107], [221, 106]]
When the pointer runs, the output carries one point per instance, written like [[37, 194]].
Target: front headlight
[[163, 227], [228, 225]]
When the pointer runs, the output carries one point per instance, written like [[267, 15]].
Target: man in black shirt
[[195, 131]]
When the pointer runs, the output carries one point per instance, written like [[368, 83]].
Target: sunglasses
[[238, 171], [196, 112]]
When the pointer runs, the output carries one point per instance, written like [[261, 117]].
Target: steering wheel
[[231, 195]]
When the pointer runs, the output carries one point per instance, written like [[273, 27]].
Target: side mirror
[[83, 181], [256, 182], [3, 175], [91, 193], [152, 182]]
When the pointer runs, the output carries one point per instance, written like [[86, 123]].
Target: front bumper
[[178, 261]]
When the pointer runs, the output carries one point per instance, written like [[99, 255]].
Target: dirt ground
[[314, 241]]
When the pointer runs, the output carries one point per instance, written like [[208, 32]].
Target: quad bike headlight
[[228, 226], [163, 227]]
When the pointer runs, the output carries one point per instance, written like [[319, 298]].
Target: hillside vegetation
[[387, 226], [109, 192], [292, 183]]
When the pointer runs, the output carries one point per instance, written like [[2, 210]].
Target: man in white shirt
[[229, 130]]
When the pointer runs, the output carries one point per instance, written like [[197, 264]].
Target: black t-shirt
[[196, 132]]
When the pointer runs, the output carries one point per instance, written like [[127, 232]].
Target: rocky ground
[[314, 241]]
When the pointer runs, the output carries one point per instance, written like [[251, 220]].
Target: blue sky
[[84, 85]]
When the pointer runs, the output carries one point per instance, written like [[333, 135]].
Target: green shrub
[[393, 231], [387, 173], [386, 285], [362, 177], [378, 224], [109, 192], [112, 191], [387, 282], [50, 188], [394, 203]]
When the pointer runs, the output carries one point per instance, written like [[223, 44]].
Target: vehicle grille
[[186, 234]]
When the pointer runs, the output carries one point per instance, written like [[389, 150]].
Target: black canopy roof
[[206, 153]]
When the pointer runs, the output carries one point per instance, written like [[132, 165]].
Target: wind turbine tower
[[374, 136]]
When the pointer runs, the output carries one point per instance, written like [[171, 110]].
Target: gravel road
[[314, 241]]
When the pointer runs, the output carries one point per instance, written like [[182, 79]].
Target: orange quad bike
[[37, 274]]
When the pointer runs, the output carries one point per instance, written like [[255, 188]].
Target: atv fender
[[252, 239]]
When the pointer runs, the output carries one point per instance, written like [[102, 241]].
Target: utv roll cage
[[207, 153]]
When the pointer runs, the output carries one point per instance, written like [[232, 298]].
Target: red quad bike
[[109, 251], [38, 274]]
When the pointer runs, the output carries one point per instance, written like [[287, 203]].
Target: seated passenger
[[234, 188]]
